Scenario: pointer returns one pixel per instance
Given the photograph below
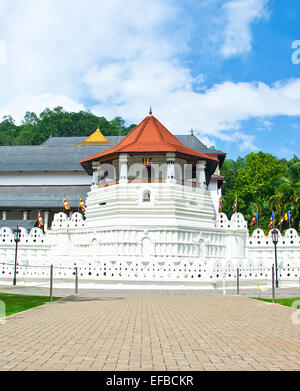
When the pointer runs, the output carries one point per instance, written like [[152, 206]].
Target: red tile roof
[[150, 136]]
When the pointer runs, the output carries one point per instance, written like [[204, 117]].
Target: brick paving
[[151, 332]]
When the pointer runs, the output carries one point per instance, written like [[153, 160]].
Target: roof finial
[[192, 132], [150, 111]]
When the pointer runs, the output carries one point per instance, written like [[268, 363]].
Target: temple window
[[147, 196]]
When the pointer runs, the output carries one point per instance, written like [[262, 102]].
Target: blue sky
[[221, 68]]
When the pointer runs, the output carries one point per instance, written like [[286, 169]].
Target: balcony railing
[[149, 180]]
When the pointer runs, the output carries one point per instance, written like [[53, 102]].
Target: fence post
[[273, 286], [51, 283], [76, 280], [237, 281]]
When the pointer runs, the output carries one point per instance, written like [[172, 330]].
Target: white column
[[4, 215], [123, 161], [170, 156], [200, 171], [25, 215], [95, 166], [46, 220]]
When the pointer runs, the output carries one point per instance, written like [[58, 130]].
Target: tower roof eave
[[150, 136]]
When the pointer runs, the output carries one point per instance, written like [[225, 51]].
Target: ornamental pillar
[[46, 220], [4, 215], [170, 157], [25, 215], [201, 177], [123, 162], [95, 166]]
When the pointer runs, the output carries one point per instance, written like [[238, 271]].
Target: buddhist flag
[[220, 206], [271, 221], [254, 218], [147, 161], [286, 217], [66, 204], [82, 205], [41, 222], [234, 207]]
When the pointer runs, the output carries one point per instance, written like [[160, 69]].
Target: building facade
[[36, 179], [151, 217]]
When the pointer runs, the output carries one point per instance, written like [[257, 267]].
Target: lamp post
[[17, 233], [274, 233]]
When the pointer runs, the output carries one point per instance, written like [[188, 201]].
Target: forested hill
[[57, 122]]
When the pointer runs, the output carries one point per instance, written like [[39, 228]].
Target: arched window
[[146, 196]]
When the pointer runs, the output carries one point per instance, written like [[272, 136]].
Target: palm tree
[[287, 196]]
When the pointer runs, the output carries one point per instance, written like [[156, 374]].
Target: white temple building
[[36, 178], [151, 216]]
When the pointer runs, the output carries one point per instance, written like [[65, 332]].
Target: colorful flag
[[220, 206], [234, 207], [41, 222], [271, 221], [286, 217], [147, 161], [254, 218], [82, 205], [66, 204]]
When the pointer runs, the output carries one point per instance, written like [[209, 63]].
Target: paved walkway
[[265, 292], [151, 332]]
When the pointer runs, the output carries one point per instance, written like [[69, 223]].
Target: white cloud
[[52, 45], [215, 111], [38, 103], [238, 15], [245, 141], [124, 59]]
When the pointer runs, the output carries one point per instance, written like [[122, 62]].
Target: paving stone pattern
[[151, 332]]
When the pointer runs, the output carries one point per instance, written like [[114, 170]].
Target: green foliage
[[16, 303], [34, 129], [264, 183], [288, 301]]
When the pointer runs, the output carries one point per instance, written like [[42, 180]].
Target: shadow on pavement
[[88, 298]]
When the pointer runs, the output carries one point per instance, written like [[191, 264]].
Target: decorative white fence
[[34, 259], [151, 272]]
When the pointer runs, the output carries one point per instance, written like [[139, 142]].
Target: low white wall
[[71, 244]]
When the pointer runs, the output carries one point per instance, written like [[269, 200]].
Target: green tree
[[254, 186], [287, 192], [35, 129]]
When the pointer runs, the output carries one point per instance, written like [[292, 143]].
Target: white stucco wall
[[44, 178]]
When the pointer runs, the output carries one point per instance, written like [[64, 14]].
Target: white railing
[[143, 271]]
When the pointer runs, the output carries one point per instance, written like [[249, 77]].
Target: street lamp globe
[[17, 234], [274, 233]]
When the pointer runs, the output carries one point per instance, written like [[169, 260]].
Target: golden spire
[[96, 138]]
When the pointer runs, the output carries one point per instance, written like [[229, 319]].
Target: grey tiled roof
[[12, 224], [41, 158], [71, 141], [41, 196], [191, 141], [62, 153]]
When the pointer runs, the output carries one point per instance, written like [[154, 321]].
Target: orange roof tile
[[149, 136]]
